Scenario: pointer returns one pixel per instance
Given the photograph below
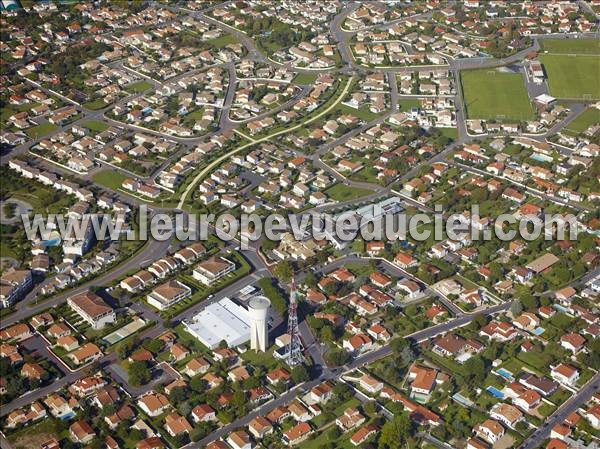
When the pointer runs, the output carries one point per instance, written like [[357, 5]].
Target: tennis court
[[125, 331]]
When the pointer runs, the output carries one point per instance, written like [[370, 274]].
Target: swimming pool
[[541, 157], [495, 392], [67, 416], [538, 331], [52, 240], [504, 373]]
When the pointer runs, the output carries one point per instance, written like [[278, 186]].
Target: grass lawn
[[109, 178], [360, 269], [538, 360], [96, 125], [546, 409], [35, 132], [495, 95], [342, 192], [138, 87], [363, 113], [201, 291], [95, 105], [5, 251], [23, 107], [353, 402], [572, 76], [6, 112], [264, 359], [366, 174], [34, 435], [407, 103], [196, 115], [586, 119], [341, 443], [446, 363], [305, 78], [571, 46], [223, 41], [451, 133]]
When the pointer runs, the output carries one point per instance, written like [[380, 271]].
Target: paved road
[[531, 191], [29, 306], [390, 268], [159, 250], [571, 405], [152, 332], [226, 156], [332, 374], [37, 344]]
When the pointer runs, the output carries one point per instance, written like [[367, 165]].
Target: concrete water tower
[[258, 310]]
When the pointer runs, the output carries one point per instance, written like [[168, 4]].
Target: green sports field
[[586, 119], [495, 95], [573, 77], [571, 46]]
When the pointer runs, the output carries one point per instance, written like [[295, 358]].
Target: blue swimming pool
[[539, 331], [541, 157], [67, 416], [495, 392], [52, 242], [504, 373]]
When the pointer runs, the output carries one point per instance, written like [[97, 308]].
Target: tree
[[153, 345], [342, 391], [178, 394], [334, 433], [125, 349], [370, 407], [198, 384], [310, 279], [337, 357], [404, 350], [181, 439], [239, 398], [200, 431], [592, 359], [252, 382], [475, 367], [184, 408], [398, 344], [395, 432], [300, 374], [478, 322], [138, 373], [529, 302], [516, 308], [327, 333], [283, 271]]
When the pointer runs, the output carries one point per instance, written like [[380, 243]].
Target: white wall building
[[258, 310], [223, 320]]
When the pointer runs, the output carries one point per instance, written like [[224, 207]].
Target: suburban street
[[348, 71]]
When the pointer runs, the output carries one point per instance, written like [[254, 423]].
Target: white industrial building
[[223, 320]]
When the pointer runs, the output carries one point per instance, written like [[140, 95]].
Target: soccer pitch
[[493, 95], [573, 76], [571, 46]]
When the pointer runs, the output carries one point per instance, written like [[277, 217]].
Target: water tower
[[258, 310]]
